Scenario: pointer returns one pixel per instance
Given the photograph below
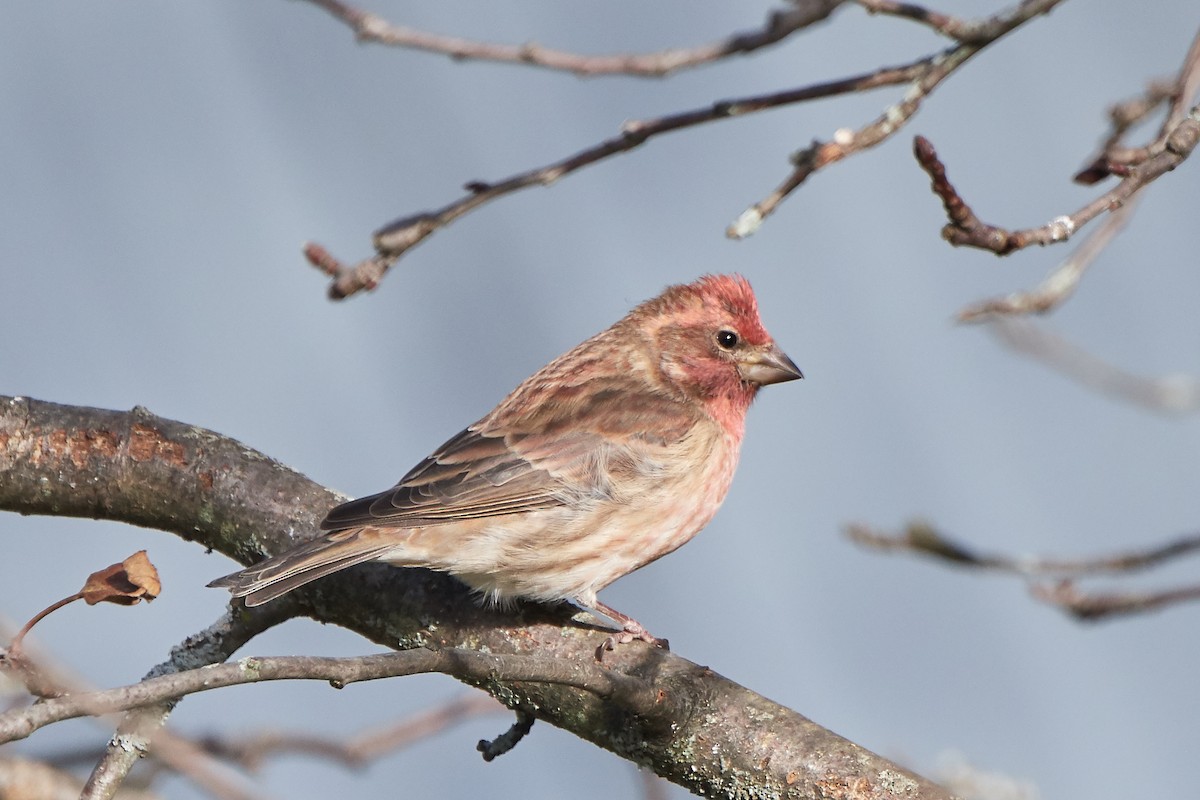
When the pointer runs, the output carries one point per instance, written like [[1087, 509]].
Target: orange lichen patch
[[206, 479], [838, 788], [146, 443], [78, 446]]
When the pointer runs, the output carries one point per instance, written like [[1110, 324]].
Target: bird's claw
[[626, 636]]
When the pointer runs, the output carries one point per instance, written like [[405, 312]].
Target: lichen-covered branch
[[718, 739]]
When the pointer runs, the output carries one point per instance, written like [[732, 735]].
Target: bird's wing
[[520, 464]]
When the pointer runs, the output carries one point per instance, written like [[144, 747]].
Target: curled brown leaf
[[127, 583]]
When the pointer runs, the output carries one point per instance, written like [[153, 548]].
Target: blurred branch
[[171, 751], [27, 779], [205, 487], [922, 538], [369, 27], [1115, 157], [1176, 139], [355, 751], [137, 730], [1059, 284], [922, 75], [1091, 606], [1177, 394]]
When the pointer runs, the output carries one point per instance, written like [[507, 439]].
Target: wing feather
[[514, 463]]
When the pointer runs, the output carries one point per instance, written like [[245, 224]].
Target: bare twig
[[627, 691], [399, 236], [1115, 158], [1175, 394], [923, 538], [847, 142], [1124, 117], [136, 731], [507, 740], [965, 229], [1059, 284], [923, 76], [1138, 167], [216, 779], [356, 751], [1099, 605], [369, 27], [171, 751], [946, 25], [26, 779]]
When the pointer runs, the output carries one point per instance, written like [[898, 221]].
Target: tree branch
[[137, 730], [923, 76], [922, 538], [631, 693], [1176, 393], [369, 27], [720, 738], [965, 229]]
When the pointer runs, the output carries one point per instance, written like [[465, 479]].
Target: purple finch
[[609, 457]]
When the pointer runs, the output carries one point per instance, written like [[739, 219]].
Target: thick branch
[[720, 739]]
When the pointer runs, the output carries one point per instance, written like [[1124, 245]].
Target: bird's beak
[[770, 365]]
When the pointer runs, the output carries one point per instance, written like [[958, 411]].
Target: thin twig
[[506, 741], [1059, 284], [1099, 605], [965, 229], [847, 142], [398, 237], [630, 692], [1115, 158], [357, 751], [1174, 394], [923, 538], [136, 731], [924, 75], [171, 751], [369, 27]]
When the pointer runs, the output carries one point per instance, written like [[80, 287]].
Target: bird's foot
[[631, 629]]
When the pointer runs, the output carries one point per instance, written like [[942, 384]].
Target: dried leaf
[[127, 583]]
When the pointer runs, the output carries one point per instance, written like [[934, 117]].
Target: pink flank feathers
[[609, 457]]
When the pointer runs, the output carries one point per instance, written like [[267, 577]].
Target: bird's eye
[[727, 339]]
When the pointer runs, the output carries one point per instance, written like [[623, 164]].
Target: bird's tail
[[266, 580]]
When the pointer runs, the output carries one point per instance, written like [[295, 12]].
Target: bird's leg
[[630, 629]]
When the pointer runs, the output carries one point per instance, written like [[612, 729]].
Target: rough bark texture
[[708, 734]]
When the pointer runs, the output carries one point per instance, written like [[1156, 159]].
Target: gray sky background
[[163, 162]]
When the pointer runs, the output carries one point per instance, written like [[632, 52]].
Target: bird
[[611, 456]]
